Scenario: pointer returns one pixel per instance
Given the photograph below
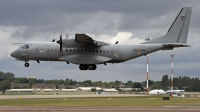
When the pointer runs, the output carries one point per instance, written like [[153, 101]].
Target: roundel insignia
[[138, 50]]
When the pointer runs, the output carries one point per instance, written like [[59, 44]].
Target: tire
[[26, 64]]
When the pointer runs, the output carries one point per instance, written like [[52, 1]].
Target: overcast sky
[[126, 21]]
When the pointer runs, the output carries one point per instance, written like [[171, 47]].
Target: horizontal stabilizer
[[175, 45]]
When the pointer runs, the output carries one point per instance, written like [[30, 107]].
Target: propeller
[[60, 42]]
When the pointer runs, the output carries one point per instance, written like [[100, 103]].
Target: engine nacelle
[[97, 43]]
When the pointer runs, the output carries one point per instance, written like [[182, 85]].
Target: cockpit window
[[24, 46], [20, 46]]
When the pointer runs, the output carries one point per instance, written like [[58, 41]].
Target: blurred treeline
[[181, 82]]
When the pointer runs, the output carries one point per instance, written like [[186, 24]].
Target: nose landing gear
[[26, 64]]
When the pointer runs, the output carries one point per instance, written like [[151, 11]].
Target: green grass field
[[105, 101]]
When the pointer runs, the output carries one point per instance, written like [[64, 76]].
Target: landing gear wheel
[[26, 64], [92, 67], [83, 67], [89, 67]]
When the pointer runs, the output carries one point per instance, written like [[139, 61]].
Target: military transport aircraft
[[87, 52]]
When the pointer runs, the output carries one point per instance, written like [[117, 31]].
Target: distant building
[[110, 90], [88, 88], [39, 90], [31, 77]]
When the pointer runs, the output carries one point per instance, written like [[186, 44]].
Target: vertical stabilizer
[[178, 31]]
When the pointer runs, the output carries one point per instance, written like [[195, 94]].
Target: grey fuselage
[[50, 51]]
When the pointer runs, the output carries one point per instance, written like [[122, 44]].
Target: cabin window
[[66, 50], [104, 51], [88, 50], [107, 51], [51, 49], [92, 51], [77, 50], [70, 50], [100, 51], [111, 51], [74, 50], [85, 50], [37, 49], [96, 51], [81, 50], [55, 50]]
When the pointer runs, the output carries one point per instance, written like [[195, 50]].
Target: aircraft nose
[[14, 54]]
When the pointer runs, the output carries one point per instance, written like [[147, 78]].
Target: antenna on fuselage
[[116, 42], [53, 40], [67, 35]]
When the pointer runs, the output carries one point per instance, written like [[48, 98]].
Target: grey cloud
[[35, 12], [53, 16]]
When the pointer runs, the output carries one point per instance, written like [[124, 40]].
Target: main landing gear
[[89, 67]]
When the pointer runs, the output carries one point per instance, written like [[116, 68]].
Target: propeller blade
[[61, 51]]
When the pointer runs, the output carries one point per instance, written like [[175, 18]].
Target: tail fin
[[178, 31]]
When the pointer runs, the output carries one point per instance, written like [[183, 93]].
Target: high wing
[[86, 39], [82, 40]]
